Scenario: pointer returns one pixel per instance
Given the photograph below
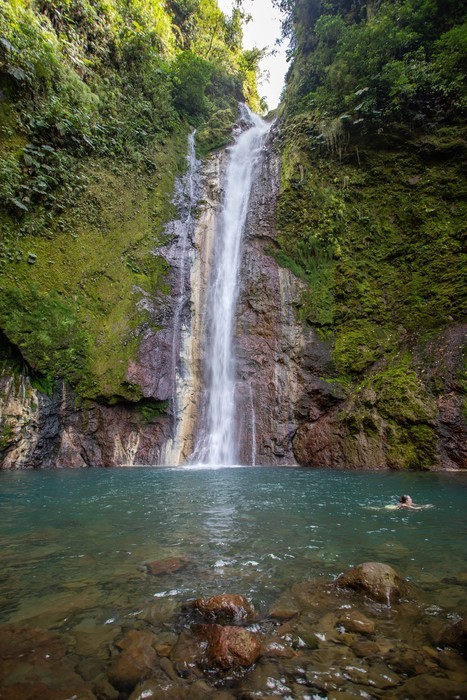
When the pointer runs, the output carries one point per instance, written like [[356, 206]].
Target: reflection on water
[[74, 543]]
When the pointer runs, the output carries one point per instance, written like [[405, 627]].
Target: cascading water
[[217, 439], [180, 255]]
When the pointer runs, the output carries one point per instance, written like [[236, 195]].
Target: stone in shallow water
[[160, 612], [186, 654], [35, 690], [379, 581], [93, 639], [166, 566], [425, 686], [274, 647], [356, 621], [33, 664], [229, 606], [155, 690], [230, 647], [137, 661], [455, 636]]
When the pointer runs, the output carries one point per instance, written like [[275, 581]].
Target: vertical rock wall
[[271, 343]]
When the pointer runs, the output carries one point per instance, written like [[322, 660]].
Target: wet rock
[[168, 668], [165, 643], [356, 621], [136, 662], [103, 690], [380, 676], [230, 606], [366, 649], [34, 665], [455, 636], [260, 681], [230, 647], [154, 690], [160, 612], [36, 690], [378, 581], [186, 655], [411, 662], [90, 668], [427, 686], [170, 565], [31, 645], [282, 611], [274, 648], [325, 678], [92, 639]]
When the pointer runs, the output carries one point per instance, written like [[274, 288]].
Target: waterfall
[[216, 443], [179, 253]]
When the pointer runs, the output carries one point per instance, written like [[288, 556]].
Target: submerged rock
[[230, 647], [455, 636], [229, 606], [378, 581], [427, 686], [136, 662], [166, 566]]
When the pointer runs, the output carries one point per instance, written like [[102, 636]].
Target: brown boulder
[[378, 581], [136, 662], [230, 606], [230, 647], [455, 636], [356, 621], [427, 686], [166, 566]]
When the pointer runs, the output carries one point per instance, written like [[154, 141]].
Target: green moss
[[216, 132], [150, 409], [376, 231], [394, 411], [413, 447], [401, 395], [359, 344], [6, 436], [98, 260]]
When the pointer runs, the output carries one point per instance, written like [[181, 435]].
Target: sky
[[262, 31]]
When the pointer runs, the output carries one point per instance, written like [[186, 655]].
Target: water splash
[[217, 442]]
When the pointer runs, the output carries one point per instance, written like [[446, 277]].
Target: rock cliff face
[[289, 408], [42, 432], [277, 355]]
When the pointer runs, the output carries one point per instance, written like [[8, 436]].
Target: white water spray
[[217, 441]]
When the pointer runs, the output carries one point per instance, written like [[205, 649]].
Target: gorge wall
[[293, 406]]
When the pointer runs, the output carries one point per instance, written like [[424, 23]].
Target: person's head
[[405, 500]]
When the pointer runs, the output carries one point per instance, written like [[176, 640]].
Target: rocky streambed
[[369, 633]]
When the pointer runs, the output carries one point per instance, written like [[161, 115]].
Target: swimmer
[[406, 502]]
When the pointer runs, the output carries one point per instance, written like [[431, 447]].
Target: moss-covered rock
[[374, 226], [75, 312]]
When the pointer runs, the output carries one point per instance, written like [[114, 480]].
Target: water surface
[[75, 544], [252, 530]]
